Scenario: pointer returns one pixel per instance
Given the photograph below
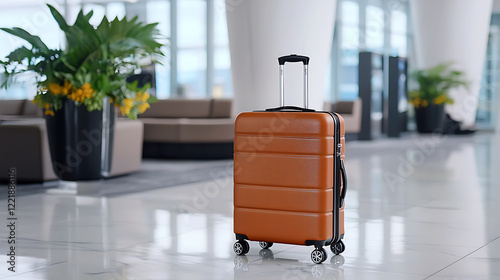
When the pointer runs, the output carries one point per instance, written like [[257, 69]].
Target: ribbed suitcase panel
[[281, 226], [282, 198], [284, 144], [284, 123], [283, 170]]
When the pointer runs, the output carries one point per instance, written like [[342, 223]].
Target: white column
[[262, 30], [454, 31]]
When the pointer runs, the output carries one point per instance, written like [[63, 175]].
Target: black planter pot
[[430, 118], [81, 142]]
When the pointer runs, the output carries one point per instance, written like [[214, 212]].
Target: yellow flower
[[143, 107], [82, 93], [416, 102], [58, 89], [87, 90], [142, 96], [138, 96], [424, 103], [47, 110], [55, 88], [66, 88], [128, 103], [76, 95], [440, 99]]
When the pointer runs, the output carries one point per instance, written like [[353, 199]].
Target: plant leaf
[[35, 41], [59, 18]]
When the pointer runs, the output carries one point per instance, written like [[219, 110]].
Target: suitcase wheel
[[265, 245], [337, 247], [318, 255], [241, 247]]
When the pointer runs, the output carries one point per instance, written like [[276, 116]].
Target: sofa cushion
[[11, 107], [22, 140], [221, 108], [161, 130], [207, 131], [343, 107], [350, 111], [32, 110], [185, 130], [178, 108]]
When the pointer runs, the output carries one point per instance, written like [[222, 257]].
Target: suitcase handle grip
[[286, 108], [293, 58], [344, 183]]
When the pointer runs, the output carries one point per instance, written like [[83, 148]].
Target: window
[[159, 11], [191, 48], [487, 115], [378, 26], [35, 18], [398, 35], [222, 84], [374, 34], [349, 50]]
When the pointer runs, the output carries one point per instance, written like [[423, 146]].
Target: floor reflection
[[268, 264]]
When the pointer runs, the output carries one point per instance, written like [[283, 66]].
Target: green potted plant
[[432, 94], [80, 86]]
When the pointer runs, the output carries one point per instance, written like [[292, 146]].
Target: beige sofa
[[19, 109], [189, 129], [350, 111], [24, 143]]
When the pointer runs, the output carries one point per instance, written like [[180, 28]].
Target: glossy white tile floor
[[437, 217]]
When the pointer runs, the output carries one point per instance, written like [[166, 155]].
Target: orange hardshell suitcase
[[289, 176]]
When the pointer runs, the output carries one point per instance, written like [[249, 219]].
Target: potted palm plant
[[80, 86], [432, 95]]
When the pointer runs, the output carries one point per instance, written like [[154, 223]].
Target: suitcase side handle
[[344, 183], [293, 58]]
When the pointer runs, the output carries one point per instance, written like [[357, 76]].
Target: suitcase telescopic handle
[[344, 183], [293, 58]]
